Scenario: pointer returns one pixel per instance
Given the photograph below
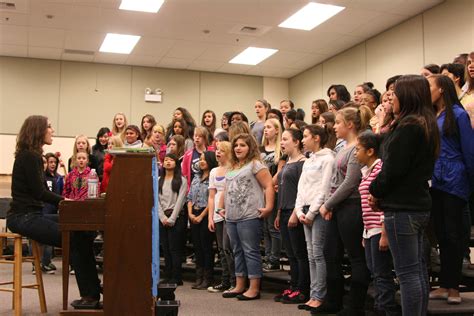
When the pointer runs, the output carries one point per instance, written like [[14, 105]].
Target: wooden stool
[[17, 261]]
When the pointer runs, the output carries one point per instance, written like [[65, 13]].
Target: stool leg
[[39, 276], [17, 276]]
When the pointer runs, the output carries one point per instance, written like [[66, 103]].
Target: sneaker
[[271, 267], [52, 266], [279, 297], [72, 272], [33, 270], [295, 297], [218, 288], [46, 269]]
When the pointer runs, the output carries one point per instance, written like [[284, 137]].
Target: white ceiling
[[174, 37]]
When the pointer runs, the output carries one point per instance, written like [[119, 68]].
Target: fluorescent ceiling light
[[311, 15], [141, 5], [253, 56], [119, 43]]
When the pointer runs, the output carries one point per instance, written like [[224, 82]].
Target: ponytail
[[360, 117], [322, 132]]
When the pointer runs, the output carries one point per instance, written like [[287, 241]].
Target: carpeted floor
[[193, 302]]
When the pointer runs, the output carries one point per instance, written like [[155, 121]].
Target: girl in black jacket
[[401, 188]]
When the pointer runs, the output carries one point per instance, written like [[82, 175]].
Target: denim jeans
[[48, 212], [405, 237], [448, 212], [271, 239], [315, 237], [202, 242], [172, 243], [245, 239], [345, 231], [44, 230], [295, 245], [380, 265], [225, 253]]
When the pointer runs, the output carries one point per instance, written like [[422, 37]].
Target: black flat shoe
[[231, 294], [304, 307], [324, 309], [86, 304], [242, 297]]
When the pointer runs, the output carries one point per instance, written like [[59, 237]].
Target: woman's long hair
[[184, 127], [253, 154], [211, 128], [152, 121], [189, 120], [177, 179], [414, 96], [32, 133], [450, 98]]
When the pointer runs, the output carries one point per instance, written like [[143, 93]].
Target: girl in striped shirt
[[378, 257]]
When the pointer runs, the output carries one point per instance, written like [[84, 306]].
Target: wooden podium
[[125, 216]]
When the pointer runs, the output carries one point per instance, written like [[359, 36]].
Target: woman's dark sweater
[[28, 189], [408, 163]]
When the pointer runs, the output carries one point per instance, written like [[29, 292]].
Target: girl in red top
[[75, 186], [114, 142]]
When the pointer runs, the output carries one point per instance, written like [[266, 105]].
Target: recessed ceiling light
[[141, 5], [253, 56], [119, 43], [311, 15]]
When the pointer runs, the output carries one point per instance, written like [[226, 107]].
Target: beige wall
[[79, 98], [435, 36], [275, 90]]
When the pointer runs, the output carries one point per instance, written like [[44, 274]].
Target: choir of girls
[[371, 177]]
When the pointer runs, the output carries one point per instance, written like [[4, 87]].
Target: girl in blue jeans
[[248, 198], [313, 190], [374, 238], [401, 188]]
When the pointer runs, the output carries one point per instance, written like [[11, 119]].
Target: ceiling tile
[[153, 46], [13, 35], [235, 68], [13, 50], [110, 58], [12, 18], [83, 40], [175, 37], [282, 59], [180, 63], [203, 65], [142, 60], [44, 52], [186, 50], [60, 12], [77, 57], [42, 37], [222, 53]]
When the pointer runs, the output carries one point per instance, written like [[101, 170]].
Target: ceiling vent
[[7, 5], [250, 30], [79, 52]]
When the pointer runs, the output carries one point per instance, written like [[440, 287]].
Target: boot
[[207, 280], [199, 278]]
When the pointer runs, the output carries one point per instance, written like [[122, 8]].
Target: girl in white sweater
[[313, 190]]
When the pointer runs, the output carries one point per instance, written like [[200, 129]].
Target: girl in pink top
[[378, 257]]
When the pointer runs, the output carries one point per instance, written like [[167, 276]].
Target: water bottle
[[93, 185]]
